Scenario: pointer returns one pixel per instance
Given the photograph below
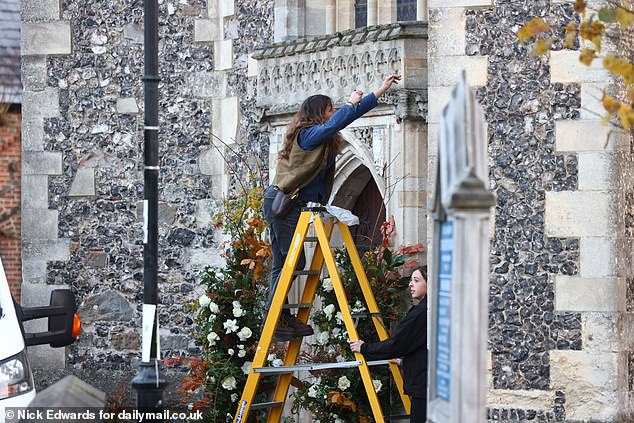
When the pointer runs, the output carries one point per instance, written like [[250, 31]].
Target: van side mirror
[[63, 321]]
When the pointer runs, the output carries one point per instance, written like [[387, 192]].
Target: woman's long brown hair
[[312, 112]]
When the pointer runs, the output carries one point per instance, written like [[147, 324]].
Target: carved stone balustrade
[[336, 64]]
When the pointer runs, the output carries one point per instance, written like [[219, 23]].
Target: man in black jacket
[[409, 341]]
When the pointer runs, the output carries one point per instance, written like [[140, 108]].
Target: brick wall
[[10, 151]]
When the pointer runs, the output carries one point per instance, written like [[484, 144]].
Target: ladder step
[[263, 405], [306, 367], [377, 363], [365, 314], [397, 417], [300, 305], [306, 272], [311, 239]]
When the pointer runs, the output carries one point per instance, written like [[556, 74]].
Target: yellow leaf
[[626, 114], [541, 46], [580, 7], [606, 119], [534, 27], [610, 104], [619, 66], [630, 95], [571, 35], [587, 56], [593, 32], [624, 17]]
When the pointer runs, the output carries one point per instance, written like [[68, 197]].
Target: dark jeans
[[281, 232], [418, 413]]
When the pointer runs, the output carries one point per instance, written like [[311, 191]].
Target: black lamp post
[[149, 383]]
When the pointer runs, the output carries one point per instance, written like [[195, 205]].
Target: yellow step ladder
[[323, 253]]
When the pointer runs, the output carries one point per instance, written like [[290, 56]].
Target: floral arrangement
[[229, 317], [338, 395]]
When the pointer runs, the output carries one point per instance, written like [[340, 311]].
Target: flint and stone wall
[[556, 297], [83, 157]]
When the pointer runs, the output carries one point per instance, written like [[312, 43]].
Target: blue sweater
[[310, 138]]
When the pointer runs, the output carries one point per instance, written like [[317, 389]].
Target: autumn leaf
[[534, 27], [607, 14], [624, 17], [571, 35], [610, 104], [587, 56], [541, 46], [619, 66], [630, 95], [626, 114], [580, 7], [592, 31]]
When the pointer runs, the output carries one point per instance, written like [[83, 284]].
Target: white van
[[16, 379]]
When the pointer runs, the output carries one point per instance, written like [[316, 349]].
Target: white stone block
[[591, 106], [574, 293], [40, 104], [223, 54], [51, 38], [445, 71], [597, 257], [39, 224], [579, 214], [40, 10], [597, 171], [226, 8], [127, 105], [225, 124], [210, 162], [590, 384], [438, 99], [84, 183], [206, 30], [587, 135], [566, 67], [599, 332], [522, 399], [42, 163], [252, 67], [447, 32]]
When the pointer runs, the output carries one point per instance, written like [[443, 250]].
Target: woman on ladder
[[306, 168], [409, 342]]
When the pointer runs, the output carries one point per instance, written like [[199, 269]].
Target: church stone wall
[[82, 162], [556, 298]]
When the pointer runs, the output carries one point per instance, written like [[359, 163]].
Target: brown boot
[[285, 331], [301, 328]]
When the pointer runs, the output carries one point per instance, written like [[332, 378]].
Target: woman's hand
[[356, 346], [355, 97], [387, 83]]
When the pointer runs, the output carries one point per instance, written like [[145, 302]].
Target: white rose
[[213, 307], [204, 300], [229, 383], [230, 351], [270, 357], [343, 383], [312, 391], [358, 307], [336, 332], [246, 367], [340, 359], [234, 397], [327, 284], [377, 385], [231, 326], [322, 338], [339, 318], [212, 317], [277, 362], [242, 353], [238, 312], [328, 310], [212, 338], [245, 333]]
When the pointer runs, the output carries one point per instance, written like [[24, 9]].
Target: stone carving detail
[[363, 134], [313, 73]]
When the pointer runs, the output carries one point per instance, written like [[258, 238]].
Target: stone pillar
[[421, 10], [290, 16], [345, 15], [373, 12], [331, 16], [386, 12], [43, 34]]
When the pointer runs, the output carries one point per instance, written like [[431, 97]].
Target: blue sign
[[443, 328]]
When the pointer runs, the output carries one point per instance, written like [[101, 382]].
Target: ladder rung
[[365, 314], [306, 272], [300, 305], [307, 367], [262, 405], [397, 417], [314, 209], [311, 239], [377, 363]]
